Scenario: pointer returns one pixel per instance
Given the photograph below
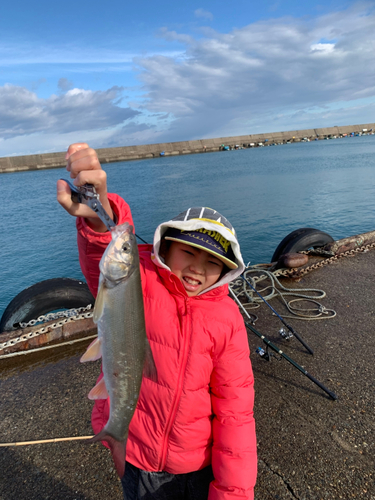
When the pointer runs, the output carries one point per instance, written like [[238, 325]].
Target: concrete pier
[[108, 155], [310, 447]]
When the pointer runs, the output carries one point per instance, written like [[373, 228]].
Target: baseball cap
[[209, 240]]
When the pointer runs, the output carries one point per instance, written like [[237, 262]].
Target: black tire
[[300, 240], [44, 297]]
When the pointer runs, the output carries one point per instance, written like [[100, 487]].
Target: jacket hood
[[194, 219]]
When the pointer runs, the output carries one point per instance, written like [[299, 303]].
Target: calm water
[[266, 193]]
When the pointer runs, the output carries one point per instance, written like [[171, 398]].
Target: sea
[[265, 192]]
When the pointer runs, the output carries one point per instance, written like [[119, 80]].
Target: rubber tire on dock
[[44, 297], [301, 240]]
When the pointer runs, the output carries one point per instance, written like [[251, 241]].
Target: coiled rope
[[276, 289]]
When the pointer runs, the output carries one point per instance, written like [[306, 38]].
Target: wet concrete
[[310, 447]]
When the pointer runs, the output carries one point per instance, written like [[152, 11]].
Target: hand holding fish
[[84, 167]]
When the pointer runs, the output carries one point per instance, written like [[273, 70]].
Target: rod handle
[[331, 394]]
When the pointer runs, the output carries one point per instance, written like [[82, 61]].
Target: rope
[[20, 353], [276, 289], [318, 313]]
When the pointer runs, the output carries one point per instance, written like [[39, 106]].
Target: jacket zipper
[[180, 381]]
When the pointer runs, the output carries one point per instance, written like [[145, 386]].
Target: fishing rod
[[42, 441], [266, 355], [282, 332]]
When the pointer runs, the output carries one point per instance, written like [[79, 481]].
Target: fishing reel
[[285, 334], [266, 354]]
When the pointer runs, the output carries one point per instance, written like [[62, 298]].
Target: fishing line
[[141, 238]]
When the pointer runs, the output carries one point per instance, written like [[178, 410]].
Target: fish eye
[[126, 247]]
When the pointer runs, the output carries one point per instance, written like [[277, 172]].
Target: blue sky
[[126, 73]]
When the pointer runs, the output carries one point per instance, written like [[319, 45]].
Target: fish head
[[121, 256]]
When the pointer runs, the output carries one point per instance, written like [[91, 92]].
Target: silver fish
[[122, 341]]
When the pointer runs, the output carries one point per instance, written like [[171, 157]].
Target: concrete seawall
[[109, 155]]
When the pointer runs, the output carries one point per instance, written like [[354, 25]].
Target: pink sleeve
[[234, 451], [91, 245]]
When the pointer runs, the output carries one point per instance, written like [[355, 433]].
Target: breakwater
[[125, 153]]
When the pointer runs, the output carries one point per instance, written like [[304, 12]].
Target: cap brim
[[227, 262]]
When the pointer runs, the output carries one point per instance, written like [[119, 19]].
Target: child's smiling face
[[196, 268]]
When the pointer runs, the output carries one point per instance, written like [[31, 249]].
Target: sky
[[123, 73]]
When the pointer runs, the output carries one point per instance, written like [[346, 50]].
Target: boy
[[192, 435]]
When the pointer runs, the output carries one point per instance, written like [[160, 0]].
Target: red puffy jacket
[[200, 410]]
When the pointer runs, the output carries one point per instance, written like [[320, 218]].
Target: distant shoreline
[[127, 153]]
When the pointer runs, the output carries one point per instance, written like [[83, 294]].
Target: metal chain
[[299, 273], [75, 314], [56, 315], [318, 251], [69, 316], [239, 287]]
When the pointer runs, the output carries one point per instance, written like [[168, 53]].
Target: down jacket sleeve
[[91, 245], [234, 459]]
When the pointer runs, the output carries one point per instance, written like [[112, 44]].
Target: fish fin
[[118, 450], [149, 367], [99, 391], [99, 301], [93, 352]]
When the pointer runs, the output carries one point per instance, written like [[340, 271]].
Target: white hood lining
[[193, 225]]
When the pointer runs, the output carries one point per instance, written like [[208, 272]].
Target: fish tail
[[118, 449]]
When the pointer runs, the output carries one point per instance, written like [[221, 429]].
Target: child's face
[[196, 268]]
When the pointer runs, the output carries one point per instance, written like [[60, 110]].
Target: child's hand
[[84, 167]]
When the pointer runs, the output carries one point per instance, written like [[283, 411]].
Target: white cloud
[[280, 74], [325, 48], [32, 53], [227, 83], [22, 113], [203, 13]]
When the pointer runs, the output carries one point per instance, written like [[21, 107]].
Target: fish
[[122, 342]]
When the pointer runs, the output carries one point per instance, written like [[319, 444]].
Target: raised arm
[[93, 237], [84, 167]]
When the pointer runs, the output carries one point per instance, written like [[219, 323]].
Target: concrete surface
[[108, 155], [310, 447]]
